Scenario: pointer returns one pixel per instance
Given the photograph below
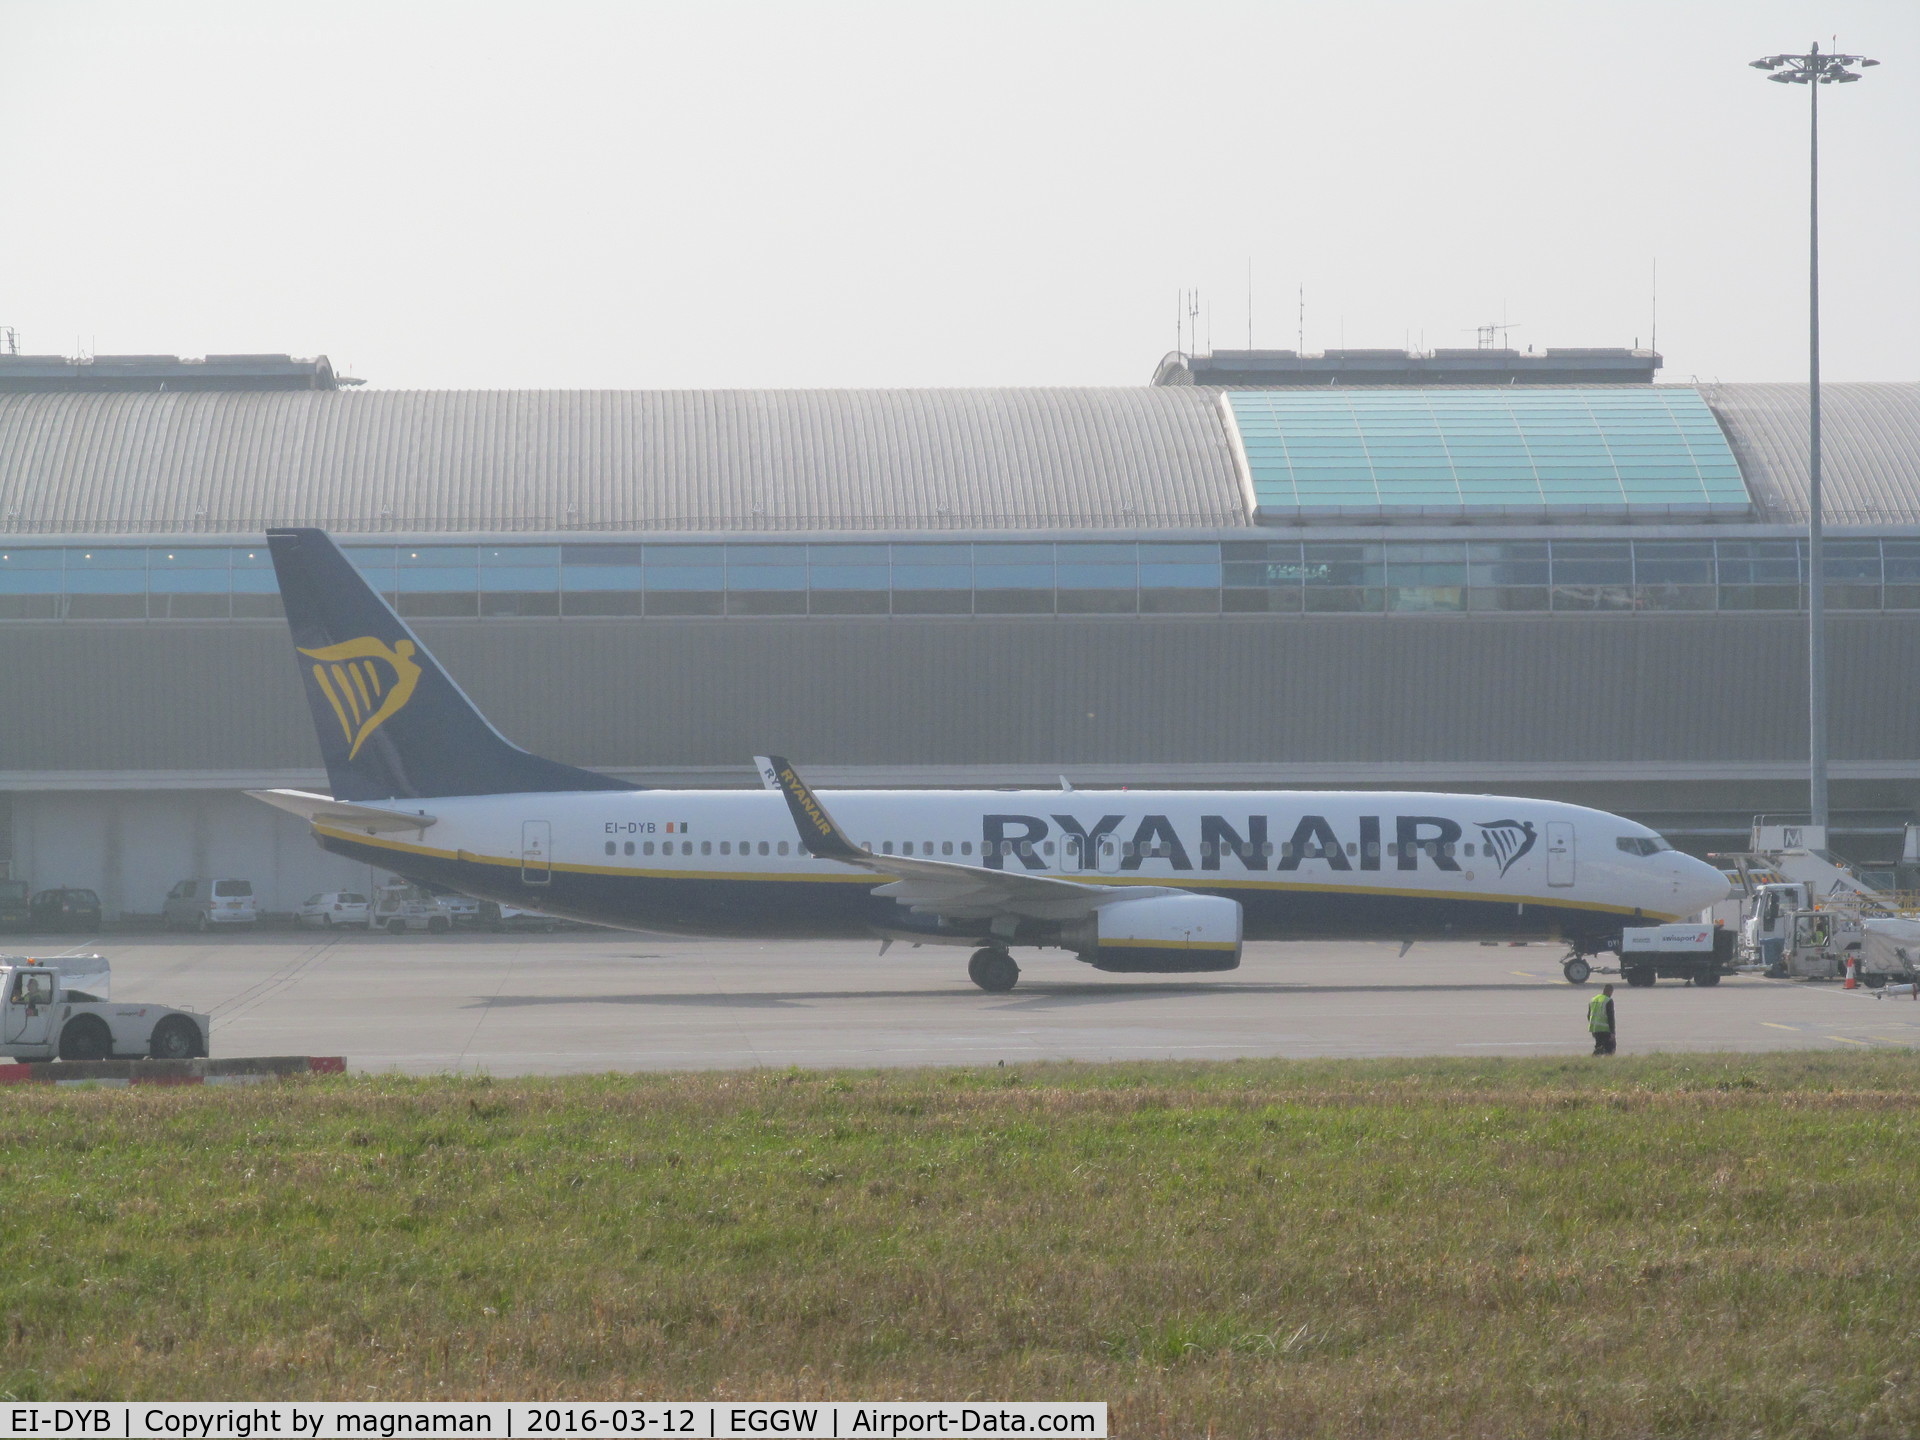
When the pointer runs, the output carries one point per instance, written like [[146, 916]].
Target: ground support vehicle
[[1807, 914], [1822, 944], [497, 917], [1697, 953], [400, 907], [59, 1008]]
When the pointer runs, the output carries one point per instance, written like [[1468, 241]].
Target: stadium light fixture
[[1814, 69]]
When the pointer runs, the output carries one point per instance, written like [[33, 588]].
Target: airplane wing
[[941, 887], [343, 814]]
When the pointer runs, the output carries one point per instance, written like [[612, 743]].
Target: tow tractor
[[61, 1008]]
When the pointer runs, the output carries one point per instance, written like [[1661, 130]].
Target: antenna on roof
[[1654, 342], [1249, 302], [1193, 319], [1300, 340], [1488, 337], [9, 340]]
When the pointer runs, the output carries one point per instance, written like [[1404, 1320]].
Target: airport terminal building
[[1477, 570]]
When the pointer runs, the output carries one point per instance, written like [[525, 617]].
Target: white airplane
[[1133, 881]]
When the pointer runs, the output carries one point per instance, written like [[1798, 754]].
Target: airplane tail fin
[[391, 722]]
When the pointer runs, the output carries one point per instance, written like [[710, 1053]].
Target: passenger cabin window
[[629, 847], [706, 847], [966, 847], [763, 847], [647, 848], [946, 847], [783, 847], [609, 847]]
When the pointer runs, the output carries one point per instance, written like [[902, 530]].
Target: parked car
[[16, 905], [66, 908], [209, 905], [334, 907]]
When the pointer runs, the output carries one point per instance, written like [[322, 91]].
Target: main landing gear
[[993, 971]]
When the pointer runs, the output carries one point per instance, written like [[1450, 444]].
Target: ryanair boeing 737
[[1134, 881]]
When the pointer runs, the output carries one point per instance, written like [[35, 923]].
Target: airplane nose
[[1698, 885]]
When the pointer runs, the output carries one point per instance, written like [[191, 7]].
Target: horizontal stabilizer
[[343, 814]]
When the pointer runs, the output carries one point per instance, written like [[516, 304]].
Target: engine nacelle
[[1162, 934]]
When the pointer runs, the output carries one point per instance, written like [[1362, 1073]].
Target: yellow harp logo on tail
[[367, 682]]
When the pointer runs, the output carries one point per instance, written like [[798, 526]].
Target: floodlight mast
[[1813, 70]]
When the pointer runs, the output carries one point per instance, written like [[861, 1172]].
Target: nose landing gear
[[993, 971], [1576, 969]]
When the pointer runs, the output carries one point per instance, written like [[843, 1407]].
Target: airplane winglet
[[820, 834]]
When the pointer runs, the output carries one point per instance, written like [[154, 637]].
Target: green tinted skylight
[[1497, 453]]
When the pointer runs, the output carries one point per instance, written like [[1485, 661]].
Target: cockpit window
[[1642, 844]]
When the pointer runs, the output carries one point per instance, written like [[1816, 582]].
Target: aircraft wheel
[[1577, 971], [993, 971]]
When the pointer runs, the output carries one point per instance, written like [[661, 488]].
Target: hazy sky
[[915, 193]]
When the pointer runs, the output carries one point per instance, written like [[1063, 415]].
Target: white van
[[209, 905]]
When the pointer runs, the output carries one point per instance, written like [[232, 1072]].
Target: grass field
[[1680, 1245]]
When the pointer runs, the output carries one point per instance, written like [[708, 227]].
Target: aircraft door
[[536, 852], [1559, 853]]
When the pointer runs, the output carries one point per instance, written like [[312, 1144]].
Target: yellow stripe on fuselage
[[512, 862]]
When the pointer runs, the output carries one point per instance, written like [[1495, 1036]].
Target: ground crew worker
[[1600, 1021]]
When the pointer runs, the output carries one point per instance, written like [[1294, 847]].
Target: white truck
[[60, 1008], [1699, 952]]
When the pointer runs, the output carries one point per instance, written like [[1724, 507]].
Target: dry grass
[[1697, 1245]]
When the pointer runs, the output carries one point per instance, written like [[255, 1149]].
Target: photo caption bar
[[682, 1420]]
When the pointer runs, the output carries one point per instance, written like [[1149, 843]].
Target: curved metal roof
[[1869, 452], [776, 461], [683, 460]]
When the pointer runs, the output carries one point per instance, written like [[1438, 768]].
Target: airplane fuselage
[[1302, 864]]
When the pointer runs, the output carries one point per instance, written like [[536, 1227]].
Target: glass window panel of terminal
[[695, 568], [1097, 566], [850, 568], [1013, 567], [766, 568], [932, 567]]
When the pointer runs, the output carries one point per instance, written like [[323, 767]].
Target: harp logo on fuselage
[[1507, 840], [366, 681]]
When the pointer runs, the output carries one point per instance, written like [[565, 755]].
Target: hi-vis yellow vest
[[1597, 1014]]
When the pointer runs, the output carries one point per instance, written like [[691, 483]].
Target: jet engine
[[1160, 934]]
